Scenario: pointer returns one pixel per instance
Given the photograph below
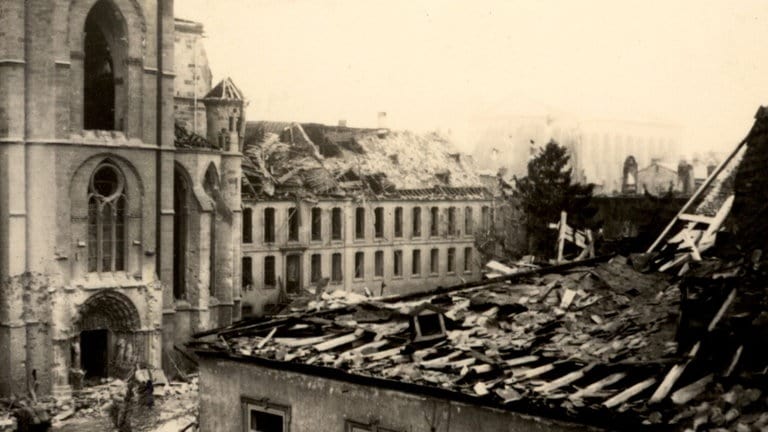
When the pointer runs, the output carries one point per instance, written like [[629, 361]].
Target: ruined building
[[111, 224], [356, 209]]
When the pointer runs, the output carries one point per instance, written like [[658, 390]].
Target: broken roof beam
[[629, 393], [597, 386], [339, 341], [564, 380]]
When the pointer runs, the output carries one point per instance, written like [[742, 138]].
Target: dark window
[[317, 223], [263, 416], [485, 218], [269, 225], [430, 324], [269, 271], [180, 233], [316, 269], [336, 224], [468, 259], [293, 224], [359, 265], [378, 270], [468, 221], [247, 272], [451, 260], [433, 221], [398, 221], [451, 220], [353, 426], [416, 221], [378, 222], [434, 255], [416, 263], [247, 225], [336, 274], [360, 223], [99, 68], [106, 220], [398, 264]]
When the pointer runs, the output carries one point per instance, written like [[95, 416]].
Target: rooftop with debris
[[285, 160], [666, 340]]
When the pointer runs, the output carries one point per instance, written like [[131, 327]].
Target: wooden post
[[561, 235]]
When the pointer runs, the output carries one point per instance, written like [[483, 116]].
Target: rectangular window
[[416, 263], [433, 221], [247, 225], [336, 223], [293, 224], [416, 219], [468, 221], [398, 221], [269, 225], [378, 267], [317, 223], [434, 255], [336, 274], [467, 259], [269, 271], [398, 264], [316, 268], [353, 426], [378, 222], [485, 218], [360, 223], [247, 272], [359, 265], [451, 265], [261, 416], [451, 220]]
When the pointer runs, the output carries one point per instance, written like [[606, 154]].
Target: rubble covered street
[[175, 408]]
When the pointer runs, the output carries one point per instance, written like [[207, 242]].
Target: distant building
[[372, 209]]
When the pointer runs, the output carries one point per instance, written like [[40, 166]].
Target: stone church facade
[[116, 242]]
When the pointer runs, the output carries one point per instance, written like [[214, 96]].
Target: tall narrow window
[[378, 270], [451, 263], [293, 224], [269, 225], [451, 220], [398, 221], [269, 272], [467, 259], [180, 224], [316, 268], [468, 221], [397, 267], [434, 265], [416, 262], [433, 221], [106, 220], [378, 222], [317, 223], [99, 67], [247, 225], [336, 273], [360, 223], [336, 223], [416, 221], [359, 265], [485, 218], [247, 272]]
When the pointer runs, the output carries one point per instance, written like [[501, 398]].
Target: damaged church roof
[[225, 90], [290, 159]]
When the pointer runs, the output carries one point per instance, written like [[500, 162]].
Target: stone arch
[[81, 175], [108, 310]]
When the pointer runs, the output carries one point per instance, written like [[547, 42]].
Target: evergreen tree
[[545, 192]]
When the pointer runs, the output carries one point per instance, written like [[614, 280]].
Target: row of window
[[264, 416], [316, 215], [316, 265]]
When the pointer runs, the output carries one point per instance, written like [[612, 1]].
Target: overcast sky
[[445, 64]]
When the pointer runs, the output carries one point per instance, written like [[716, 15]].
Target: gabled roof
[[225, 90]]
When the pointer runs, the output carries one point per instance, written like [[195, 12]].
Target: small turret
[[224, 110]]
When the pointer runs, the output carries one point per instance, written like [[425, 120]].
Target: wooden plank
[[567, 299], [734, 361], [563, 380], [688, 217], [298, 342], [689, 392], [384, 354], [266, 339], [462, 363], [339, 341], [629, 393], [721, 311], [689, 241], [561, 237], [483, 368], [521, 360], [597, 386], [440, 361], [528, 373], [499, 267], [669, 381]]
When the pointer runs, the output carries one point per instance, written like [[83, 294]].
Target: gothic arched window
[[106, 220]]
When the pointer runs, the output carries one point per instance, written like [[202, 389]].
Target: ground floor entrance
[[94, 353], [293, 273]]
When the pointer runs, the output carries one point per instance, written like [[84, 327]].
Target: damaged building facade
[[358, 209], [95, 275]]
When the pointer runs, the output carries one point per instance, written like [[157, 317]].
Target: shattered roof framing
[[285, 160]]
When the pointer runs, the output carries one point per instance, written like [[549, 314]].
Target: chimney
[[342, 123], [382, 120]]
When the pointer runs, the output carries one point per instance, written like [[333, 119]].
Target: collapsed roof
[[285, 160]]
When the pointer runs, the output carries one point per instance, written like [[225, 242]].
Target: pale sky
[[442, 64]]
